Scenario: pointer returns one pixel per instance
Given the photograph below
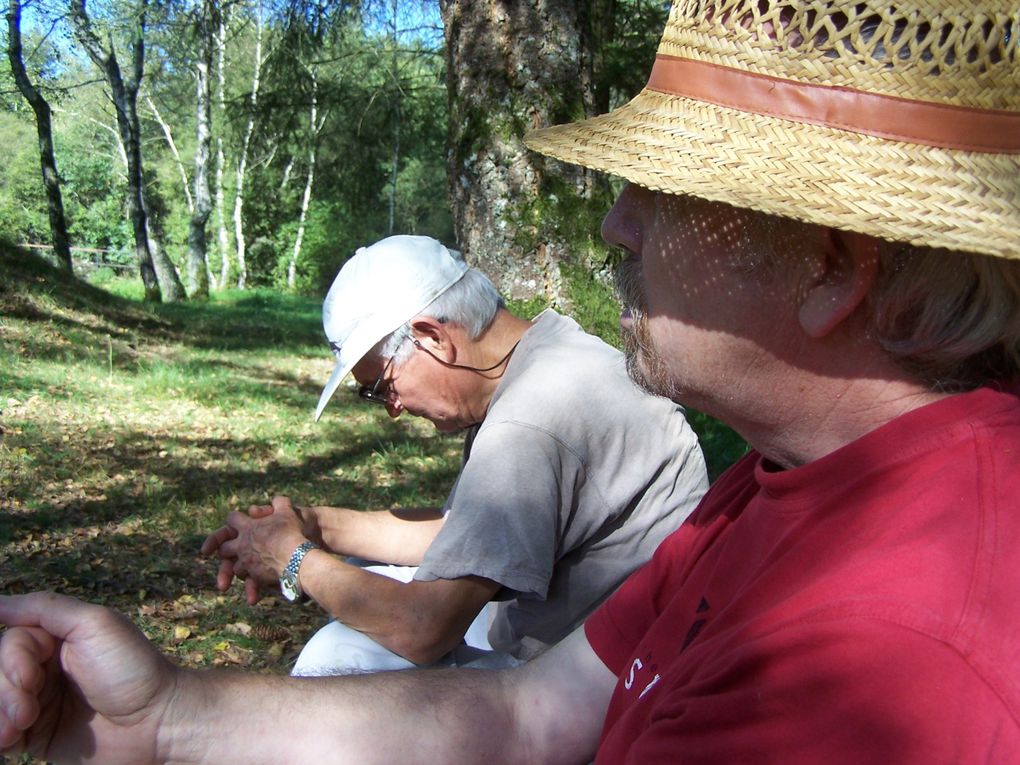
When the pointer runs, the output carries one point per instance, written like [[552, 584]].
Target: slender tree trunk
[[394, 167], [172, 144], [44, 130], [221, 102], [315, 125], [242, 160], [529, 59], [395, 160], [125, 99], [166, 272], [287, 171], [198, 274]]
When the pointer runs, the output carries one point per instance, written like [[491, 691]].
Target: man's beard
[[650, 371]]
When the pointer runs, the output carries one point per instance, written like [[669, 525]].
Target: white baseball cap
[[379, 289]]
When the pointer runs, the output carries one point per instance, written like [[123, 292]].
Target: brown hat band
[[923, 122]]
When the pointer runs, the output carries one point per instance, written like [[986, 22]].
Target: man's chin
[[637, 373], [638, 362]]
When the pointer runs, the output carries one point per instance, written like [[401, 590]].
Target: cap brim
[[339, 373]]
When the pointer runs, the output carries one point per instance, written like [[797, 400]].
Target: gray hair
[[472, 303], [951, 319]]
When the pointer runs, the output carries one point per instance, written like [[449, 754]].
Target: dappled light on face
[[713, 250], [704, 266]]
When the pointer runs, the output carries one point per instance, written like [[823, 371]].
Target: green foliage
[[23, 214], [94, 199], [628, 57], [421, 199]]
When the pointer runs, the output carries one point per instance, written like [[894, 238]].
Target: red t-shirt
[[863, 608]]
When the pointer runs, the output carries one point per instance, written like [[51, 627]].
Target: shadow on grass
[[93, 537]]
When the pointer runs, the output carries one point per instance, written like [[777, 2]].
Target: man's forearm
[[420, 621], [399, 537], [79, 683], [220, 717]]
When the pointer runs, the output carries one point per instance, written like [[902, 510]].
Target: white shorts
[[336, 649]]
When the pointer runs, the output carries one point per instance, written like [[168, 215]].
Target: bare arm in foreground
[[78, 683]]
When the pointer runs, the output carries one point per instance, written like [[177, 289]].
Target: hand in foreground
[[79, 683], [256, 546]]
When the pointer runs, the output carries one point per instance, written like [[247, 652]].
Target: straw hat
[[900, 120]]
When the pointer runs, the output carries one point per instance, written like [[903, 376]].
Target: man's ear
[[849, 264], [434, 336]]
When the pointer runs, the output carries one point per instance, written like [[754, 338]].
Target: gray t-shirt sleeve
[[503, 514]]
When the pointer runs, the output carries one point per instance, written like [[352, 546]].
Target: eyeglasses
[[377, 392]]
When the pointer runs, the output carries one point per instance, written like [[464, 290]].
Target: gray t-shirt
[[567, 486]]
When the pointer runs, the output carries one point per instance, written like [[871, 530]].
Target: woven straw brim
[[968, 201]]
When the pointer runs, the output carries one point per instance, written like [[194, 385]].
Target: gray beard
[[651, 376]]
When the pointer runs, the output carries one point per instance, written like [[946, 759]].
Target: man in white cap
[[821, 228], [571, 476]]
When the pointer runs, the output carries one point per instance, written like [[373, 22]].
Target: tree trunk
[[394, 167], [172, 145], [221, 103], [125, 100], [198, 273], [242, 160], [166, 273], [511, 66], [315, 126], [44, 129]]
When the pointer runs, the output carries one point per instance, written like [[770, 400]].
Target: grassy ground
[[128, 431]]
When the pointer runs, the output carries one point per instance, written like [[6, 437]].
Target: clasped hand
[[255, 546], [78, 683]]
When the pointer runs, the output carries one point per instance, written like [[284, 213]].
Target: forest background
[[181, 181]]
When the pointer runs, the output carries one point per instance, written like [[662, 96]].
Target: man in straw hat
[[565, 488], [821, 228]]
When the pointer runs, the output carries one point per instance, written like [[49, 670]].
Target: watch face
[[289, 587]]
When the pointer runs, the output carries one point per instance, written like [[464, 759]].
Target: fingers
[[225, 574], [56, 614], [282, 504], [214, 541], [236, 523], [23, 653], [252, 590], [260, 511]]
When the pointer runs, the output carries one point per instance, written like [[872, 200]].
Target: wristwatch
[[289, 579]]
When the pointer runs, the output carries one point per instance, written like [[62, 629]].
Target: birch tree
[[124, 91], [221, 104], [315, 124], [240, 175], [168, 135], [198, 273]]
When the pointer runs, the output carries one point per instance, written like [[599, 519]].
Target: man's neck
[[831, 414], [493, 347]]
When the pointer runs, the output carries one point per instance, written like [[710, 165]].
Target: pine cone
[[270, 633]]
